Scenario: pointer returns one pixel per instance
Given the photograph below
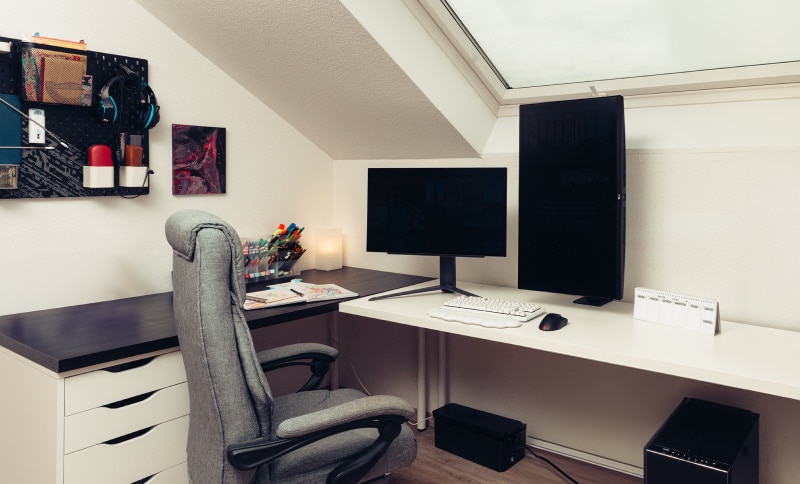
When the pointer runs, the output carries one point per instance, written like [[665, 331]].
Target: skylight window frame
[[784, 73]]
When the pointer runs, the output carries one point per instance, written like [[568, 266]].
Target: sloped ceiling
[[315, 65]]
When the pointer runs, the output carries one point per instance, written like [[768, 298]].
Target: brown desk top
[[74, 337]]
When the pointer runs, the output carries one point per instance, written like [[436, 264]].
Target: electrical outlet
[[36, 126]]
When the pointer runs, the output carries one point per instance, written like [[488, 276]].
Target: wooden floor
[[438, 466]]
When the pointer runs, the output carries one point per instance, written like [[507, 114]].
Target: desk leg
[[333, 320], [421, 394], [442, 368]]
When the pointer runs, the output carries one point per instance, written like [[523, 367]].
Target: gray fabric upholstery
[[230, 399], [297, 466], [273, 354], [346, 412]]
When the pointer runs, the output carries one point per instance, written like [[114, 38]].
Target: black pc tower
[[704, 443]]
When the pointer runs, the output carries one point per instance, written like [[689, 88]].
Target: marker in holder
[[132, 173]]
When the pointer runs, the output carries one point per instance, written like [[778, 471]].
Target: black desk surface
[[69, 338]]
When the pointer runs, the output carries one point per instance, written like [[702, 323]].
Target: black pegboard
[[59, 172]]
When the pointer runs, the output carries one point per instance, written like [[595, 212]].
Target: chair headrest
[[182, 227]]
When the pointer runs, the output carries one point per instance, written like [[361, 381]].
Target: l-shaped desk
[[97, 392], [69, 367], [748, 357], [77, 337]]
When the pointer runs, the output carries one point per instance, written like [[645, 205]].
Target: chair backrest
[[229, 398]]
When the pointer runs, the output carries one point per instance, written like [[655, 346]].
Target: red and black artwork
[[198, 160]]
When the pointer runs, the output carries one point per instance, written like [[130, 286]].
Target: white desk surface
[[754, 358]]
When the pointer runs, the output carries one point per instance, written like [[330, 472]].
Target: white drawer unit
[[174, 475], [126, 422], [118, 382], [157, 449], [108, 422]]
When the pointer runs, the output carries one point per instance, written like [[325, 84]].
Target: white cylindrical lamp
[[329, 249]]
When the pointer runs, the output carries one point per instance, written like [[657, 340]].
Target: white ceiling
[[317, 67]]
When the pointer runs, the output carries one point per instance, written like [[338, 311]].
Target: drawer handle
[[126, 437], [129, 365], [144, 480], [130, 401]]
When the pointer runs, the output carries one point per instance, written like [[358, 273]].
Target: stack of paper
[[295, 292]]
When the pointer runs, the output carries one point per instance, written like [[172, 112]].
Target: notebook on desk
[[295, 293]]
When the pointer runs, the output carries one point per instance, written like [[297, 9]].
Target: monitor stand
[[593, 301], [447, 281]]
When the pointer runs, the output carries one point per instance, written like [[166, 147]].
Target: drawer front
[[101, 387], [161, 448], [174, 475], [85, 429]]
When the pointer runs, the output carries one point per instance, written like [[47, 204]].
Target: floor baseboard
[[586, 457]]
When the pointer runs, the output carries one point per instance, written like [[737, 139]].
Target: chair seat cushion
[[313, 462]]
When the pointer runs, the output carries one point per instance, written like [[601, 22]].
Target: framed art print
[[198, 160]]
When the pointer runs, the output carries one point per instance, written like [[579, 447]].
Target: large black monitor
[[572, 198], [443, 212]]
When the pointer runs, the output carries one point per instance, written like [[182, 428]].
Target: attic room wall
[[713, 210], [712, 205], [60, 252]]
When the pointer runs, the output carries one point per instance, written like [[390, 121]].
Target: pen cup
[[98, 177], [134, 176], [265, 265], [283, 268]]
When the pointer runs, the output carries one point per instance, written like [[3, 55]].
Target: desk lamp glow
[[329, 249]]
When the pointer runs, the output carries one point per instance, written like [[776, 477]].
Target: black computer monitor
[[572, 198], [443, 212]]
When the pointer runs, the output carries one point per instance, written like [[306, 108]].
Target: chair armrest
[[387, 414], [316, 356], [296, 351], [363, 408]]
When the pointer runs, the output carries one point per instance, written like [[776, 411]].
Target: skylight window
[[664, 45]]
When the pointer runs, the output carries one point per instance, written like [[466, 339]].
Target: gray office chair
[[239, 432]]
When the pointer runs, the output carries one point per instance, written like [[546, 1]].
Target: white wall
[[713, 211], [60, 252], [712, 206]]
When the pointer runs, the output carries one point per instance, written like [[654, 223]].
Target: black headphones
[[108, 109]]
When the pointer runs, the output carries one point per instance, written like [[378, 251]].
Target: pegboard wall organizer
[[51, 170]]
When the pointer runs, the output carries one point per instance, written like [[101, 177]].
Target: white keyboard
[[520, 311], [476, 318]]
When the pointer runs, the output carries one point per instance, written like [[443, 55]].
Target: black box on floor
[[704, 443], [489, 440]]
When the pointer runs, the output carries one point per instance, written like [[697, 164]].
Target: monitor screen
[[572, 198], [453, 212]]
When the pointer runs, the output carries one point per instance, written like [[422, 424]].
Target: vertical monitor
[[572, 198]]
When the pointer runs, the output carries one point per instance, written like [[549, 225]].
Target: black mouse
[[552, 322]]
